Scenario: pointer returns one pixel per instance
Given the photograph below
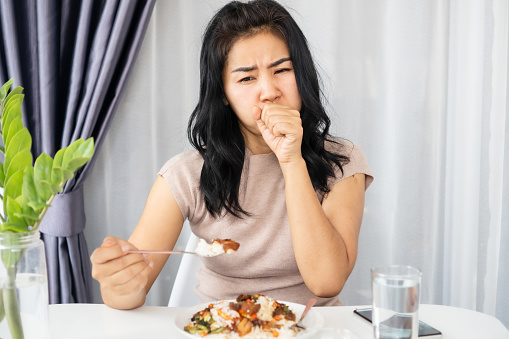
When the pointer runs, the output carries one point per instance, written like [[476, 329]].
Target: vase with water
[[24, 286]]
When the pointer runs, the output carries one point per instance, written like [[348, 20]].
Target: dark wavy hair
[[213, 127]]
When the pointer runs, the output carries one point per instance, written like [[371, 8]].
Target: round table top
[[100, 321]]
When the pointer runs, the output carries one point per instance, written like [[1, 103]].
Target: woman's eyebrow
[[279, 62], [252, 68]]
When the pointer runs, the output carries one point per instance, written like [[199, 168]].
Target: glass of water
[[395, 296]]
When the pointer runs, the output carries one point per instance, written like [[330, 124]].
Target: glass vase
[[24, 286]]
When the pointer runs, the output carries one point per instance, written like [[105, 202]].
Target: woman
[[265, 173]]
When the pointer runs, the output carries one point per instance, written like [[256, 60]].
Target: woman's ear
[[225, 101]]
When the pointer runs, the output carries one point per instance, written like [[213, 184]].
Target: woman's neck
[[257, 145]]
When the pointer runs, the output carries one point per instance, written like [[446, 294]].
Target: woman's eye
[[282, 70], [246, 79]]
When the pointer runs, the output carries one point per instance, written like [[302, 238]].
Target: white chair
[[182, 294]]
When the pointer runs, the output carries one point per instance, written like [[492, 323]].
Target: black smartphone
[[425, 330]]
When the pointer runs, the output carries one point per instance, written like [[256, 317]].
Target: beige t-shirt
[[265, 262]]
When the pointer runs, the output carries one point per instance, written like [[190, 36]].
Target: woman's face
[[259, 70]]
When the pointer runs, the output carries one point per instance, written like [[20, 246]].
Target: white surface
[[97, 321], [313, 321]]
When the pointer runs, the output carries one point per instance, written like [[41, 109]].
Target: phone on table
[[425, 330]]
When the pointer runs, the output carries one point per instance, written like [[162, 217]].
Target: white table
[[79, 321]]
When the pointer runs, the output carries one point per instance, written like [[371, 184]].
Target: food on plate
[[217, 247], [250, 316]]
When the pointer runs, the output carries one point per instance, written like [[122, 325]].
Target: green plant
[[27, 190]]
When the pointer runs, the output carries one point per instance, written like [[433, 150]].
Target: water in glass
[[395, 307], [30, 287]]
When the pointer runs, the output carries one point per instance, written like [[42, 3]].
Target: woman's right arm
[[125, 279]]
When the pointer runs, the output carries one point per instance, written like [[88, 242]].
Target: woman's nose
[[269, 91]]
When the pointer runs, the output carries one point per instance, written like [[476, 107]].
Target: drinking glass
[[395, 296]]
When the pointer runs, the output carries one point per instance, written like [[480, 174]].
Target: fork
[[310, 304], [161, 252]]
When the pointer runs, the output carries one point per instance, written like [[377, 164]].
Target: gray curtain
[[73, 59]]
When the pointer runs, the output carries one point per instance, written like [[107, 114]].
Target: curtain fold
[[73, 59]]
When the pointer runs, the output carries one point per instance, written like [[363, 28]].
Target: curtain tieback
[[66, 216]]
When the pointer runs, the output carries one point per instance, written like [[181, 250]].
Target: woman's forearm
[[320, 251]]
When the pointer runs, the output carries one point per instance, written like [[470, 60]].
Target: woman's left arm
[[324, 236]]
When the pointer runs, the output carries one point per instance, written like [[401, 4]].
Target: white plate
[[312, 322]]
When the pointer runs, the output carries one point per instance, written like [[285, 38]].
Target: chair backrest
[[182, 294]]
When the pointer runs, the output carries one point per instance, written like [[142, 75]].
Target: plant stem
[[11, 260], [11, 305], [43, 212], [2, 198], [2, 307]]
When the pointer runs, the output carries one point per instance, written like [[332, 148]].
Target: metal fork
[[161, 252], [310, 304]]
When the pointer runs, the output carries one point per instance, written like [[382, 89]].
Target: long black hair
[[213, 128]]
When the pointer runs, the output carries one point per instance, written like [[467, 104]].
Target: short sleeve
[[182, 174], [357, 163]]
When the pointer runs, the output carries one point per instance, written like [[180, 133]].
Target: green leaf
[[22, 140], [86, 149], [37, 207], [54, 188], [29, 194], [4, 89], [76, 163], [63, 173], [13, 100], [13, 105], [6, 122], [15, 126], [13, 227], [2, 176], [82, 155], [69, 152], [28, 190], [30, 218], [42, 170], [67, 174], [57, 177], [14, 92], [19, 162], [30, 214], [13, 187], [19, 198], [11, 209]]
